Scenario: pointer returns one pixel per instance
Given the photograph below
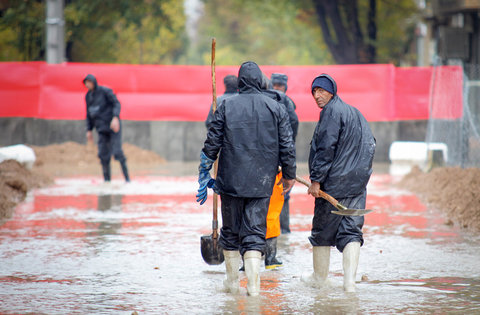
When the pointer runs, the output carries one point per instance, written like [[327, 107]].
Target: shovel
[[212, 253], [342, 210]]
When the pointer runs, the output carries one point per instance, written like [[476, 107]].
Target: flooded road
[[83, 247]]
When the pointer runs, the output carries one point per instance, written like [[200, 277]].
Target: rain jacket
[[283, 99], [253, 135], [342, 149], [290, 107], [102, 106], [226, 95]]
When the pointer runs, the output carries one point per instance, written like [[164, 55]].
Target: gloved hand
[[204, 178]]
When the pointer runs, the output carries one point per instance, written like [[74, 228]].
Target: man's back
[[253, 134]]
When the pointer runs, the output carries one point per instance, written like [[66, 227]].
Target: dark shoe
[[271, 262]]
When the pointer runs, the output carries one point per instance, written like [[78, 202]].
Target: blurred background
[[429, 52]]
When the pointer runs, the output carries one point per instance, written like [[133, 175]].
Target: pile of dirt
[[76, 153], [15, 182], [72, 158], [454, 190], [65, 159]]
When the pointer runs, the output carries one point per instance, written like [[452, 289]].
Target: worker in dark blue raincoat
[[103, 114], [251, 132], [231, 88], [279, 83], [340, 164]]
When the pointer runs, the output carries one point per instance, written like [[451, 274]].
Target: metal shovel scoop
[[212, 252], [342, 210]]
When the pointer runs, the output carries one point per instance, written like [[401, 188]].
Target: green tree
[[268, 32], [123, 31], [22, 30], [366, 31], [300, 32], [120, 31]]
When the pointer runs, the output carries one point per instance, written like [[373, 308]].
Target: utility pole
[[55, 30]]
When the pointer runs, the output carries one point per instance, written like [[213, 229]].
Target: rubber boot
[[351, 253], [123, 164], [232, 261], [106, 171], [321, 264], [252, 261], [271, 261]]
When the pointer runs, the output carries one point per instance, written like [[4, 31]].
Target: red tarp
[[183, 93]]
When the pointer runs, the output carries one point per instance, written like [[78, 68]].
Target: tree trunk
[[342, 31]]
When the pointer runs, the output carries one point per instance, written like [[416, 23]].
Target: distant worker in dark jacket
[[280, 83], [340, 164], [231, 88], [103, 114], [252, 134]]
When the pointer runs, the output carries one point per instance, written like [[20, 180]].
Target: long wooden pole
[[215, 165]]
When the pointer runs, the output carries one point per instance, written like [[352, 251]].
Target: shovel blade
[[212, 252], [352, 212]]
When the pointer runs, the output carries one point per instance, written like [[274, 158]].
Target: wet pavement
[[83, 247]]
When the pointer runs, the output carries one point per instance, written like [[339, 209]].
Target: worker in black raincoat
[[251, 132], [103, 114], [280, 83], [340, 164], [231, 88]]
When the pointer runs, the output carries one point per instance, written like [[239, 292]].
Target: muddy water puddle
[[82, 247]]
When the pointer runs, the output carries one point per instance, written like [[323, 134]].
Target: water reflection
[[125, 251], [108, 225]]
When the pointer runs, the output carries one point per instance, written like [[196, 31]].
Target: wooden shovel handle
[[215, 164], [323, 194]]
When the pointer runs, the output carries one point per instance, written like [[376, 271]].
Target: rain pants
[[252, 134], [274, 209], [341, 157], [102, 106]]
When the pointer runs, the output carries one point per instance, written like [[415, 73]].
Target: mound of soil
[[72, 158], [66, 159], [454, 190], [15, 182]]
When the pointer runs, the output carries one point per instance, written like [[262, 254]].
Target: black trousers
[[110, 143], [330, 229], [244, 223]]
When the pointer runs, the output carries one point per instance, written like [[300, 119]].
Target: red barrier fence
[[183, 93]]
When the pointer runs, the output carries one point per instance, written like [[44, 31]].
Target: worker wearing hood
[[251, 136], [340, 164], [103, 114]]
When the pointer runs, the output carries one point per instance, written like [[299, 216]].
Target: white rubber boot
[[252, 260], [351, 253], [232, 262], [321, 264]]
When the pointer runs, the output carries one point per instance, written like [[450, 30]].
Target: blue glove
[[204, 178]]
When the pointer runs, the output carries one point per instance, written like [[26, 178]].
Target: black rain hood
[[342, 149], [252, 135], [91, 77], [250, 78], [324, 75], [102, 106]]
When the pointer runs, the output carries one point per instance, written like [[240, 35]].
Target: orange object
[[274, 209]]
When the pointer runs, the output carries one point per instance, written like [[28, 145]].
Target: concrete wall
[[182, 140]]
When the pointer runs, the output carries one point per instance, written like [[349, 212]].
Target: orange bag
[[274, 209]]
